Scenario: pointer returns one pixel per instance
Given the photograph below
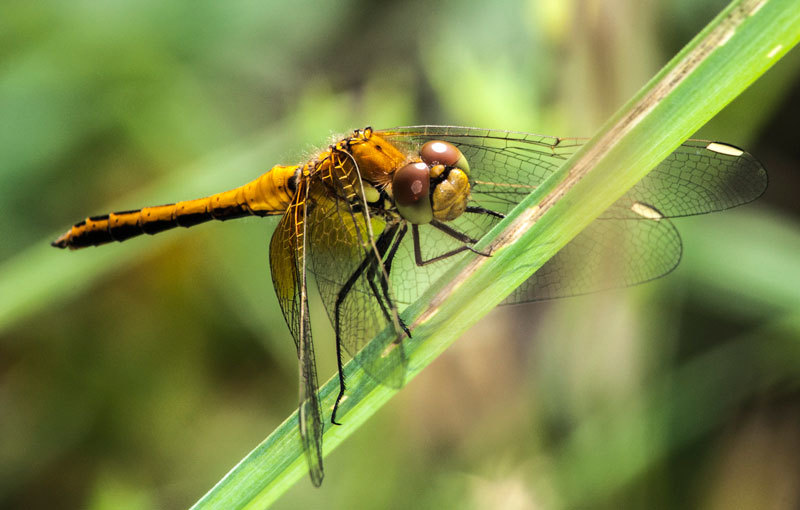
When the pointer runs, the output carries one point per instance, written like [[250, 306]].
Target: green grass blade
[[729, 54]]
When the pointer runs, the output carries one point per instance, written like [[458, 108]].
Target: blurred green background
[[136, 375]]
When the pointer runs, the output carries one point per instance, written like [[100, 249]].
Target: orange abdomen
[[270, 194]]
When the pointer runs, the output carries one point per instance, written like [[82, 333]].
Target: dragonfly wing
[[351, 280], [287, 264], [608, 254], [698, 177]]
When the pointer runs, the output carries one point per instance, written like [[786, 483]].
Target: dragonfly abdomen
[[270, 194]]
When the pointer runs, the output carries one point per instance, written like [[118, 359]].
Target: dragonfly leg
[[368, 264], [337, 327], [374, 271], [388, 258], [483, 210], [388, 265], [455, 234]]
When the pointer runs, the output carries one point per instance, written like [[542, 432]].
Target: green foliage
[[136, 375]]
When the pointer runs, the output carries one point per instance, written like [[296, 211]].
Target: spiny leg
[[418, 249], [482, 210], [373, 271], [382, 242], [455, 234], [387, 264], [339, 300]]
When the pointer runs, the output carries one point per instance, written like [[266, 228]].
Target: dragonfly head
[[436, 187]]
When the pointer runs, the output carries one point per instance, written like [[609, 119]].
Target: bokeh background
[[134, 376]]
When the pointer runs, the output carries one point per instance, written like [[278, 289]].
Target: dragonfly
[[378, 215]]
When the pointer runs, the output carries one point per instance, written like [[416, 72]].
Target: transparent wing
[[351, 281], [697, 178], [605, 255], [609, 253], [287, 264]]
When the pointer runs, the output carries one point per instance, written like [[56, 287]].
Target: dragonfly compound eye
[[411, 190], [444, 153]]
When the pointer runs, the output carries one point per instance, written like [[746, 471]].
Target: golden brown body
[[270, 194], [347, 213]]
